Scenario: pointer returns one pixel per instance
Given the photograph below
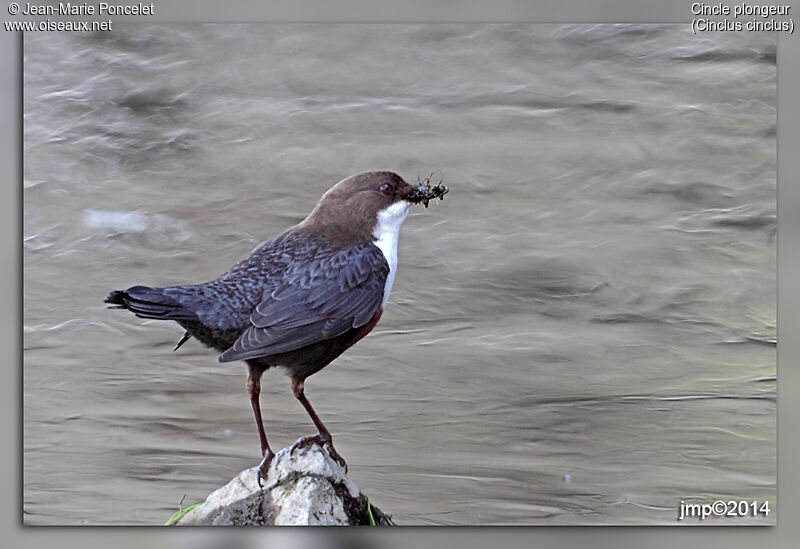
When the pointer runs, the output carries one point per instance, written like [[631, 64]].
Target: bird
[[301, 298]]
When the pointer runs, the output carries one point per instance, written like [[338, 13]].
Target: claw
[[326, 445], [263, 468], [305, 441]]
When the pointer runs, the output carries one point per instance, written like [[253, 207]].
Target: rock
[[304, 486]]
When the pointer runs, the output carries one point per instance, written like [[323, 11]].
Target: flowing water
[[582, 332]]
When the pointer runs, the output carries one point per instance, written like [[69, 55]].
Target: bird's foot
[[335, 455], [263, 467], [327, 445]]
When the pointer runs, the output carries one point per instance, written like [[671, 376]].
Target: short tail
[[146, 302]]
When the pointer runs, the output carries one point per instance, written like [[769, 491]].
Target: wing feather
[[313, 301]]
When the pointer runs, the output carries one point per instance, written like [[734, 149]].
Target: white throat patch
[[387, 233]]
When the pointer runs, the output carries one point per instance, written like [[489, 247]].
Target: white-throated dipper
[[301, 299]]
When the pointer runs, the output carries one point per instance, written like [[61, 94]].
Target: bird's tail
[[146, 302]]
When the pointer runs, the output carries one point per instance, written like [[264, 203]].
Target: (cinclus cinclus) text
[[301, 299]]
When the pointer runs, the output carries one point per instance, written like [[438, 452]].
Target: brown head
[[356, 207]]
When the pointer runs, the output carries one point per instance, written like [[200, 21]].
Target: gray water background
[[583, 332]]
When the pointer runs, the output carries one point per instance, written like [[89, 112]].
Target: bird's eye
[[386, 188]]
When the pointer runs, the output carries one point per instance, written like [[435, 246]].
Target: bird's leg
[[324, 437], [254, 389]]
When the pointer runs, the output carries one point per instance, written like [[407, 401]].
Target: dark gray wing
[[315, 300]]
